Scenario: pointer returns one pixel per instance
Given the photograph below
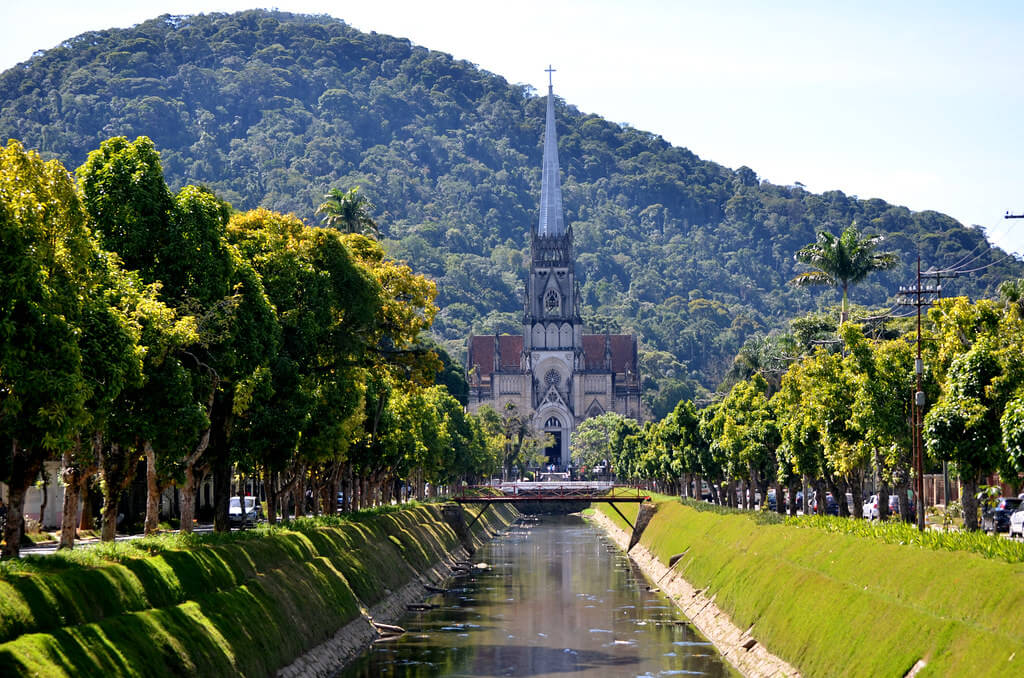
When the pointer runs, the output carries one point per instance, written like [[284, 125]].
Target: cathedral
[[553, 371]]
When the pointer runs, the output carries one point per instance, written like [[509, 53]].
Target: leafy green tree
[[842, 261], [882, 375], [179, 242], [49, 268], [590, 444], [305, 414], [964, 425]]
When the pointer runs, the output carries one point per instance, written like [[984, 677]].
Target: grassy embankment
[[240, 604], [838, 604]]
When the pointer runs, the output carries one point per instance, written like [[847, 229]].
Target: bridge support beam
[[622, 516], [643, 519], [482, 511]]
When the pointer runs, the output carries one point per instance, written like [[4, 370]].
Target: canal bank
[[246, 604], [736, 645], [837, 604]]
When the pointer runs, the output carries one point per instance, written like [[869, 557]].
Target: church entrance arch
[[555, 454]]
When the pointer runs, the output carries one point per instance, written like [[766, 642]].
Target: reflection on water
[[558, 600]]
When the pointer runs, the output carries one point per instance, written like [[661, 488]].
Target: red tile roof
[[510, 349], [593, 351], [481, 353]]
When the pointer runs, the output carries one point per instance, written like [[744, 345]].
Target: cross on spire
[[549, 70]]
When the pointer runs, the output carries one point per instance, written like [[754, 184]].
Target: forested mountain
[[272, 109]]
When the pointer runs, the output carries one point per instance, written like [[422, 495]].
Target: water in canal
[[558, 599]]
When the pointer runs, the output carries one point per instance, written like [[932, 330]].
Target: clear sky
[[915, 102]]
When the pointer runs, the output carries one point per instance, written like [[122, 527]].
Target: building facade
[[553, 370]]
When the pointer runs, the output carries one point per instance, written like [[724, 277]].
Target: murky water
[[558, 599]]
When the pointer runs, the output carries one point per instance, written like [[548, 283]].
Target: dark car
[[997, 519], [894, 505], [831, 505]]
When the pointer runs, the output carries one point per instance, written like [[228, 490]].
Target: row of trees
[[141, 324], [833, 415]]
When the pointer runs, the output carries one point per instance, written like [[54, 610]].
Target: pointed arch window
[[552, 422], [552, 304]]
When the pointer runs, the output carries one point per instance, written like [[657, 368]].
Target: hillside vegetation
[[272, 109]]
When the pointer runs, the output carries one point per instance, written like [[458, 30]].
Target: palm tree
[[348, 212], [842, 261]]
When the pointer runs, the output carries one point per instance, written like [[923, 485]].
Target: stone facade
[[553, 370]]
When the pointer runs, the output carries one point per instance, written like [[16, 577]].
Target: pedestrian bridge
[[552, 496]]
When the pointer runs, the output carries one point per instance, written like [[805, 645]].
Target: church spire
[[552, 221]]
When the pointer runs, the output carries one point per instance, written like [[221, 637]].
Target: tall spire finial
[[552, 222]]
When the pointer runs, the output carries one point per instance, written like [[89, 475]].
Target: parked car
[[1016, 528], [870, 508], [831, 505], [253, 511], [997, 519]]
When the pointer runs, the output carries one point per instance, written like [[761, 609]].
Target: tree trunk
[[118, 473], [269, 477], [858, 496], [883, 502], [901, 495], [152, 491], [838, 490], [15, 521], [969, 500], [794, 487], [23, 470], [299, 497], [72, 477], [221, 491], [188, 500]]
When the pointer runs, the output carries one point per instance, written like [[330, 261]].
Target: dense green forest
[[273, 109]]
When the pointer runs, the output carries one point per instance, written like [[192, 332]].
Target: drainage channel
[[550, 597]]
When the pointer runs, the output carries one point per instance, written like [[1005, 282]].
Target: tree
[[48, 276], [348, 212], [179, 242], [964, 425], [883, 378], [590, 445], [842, 261], [327, 304]]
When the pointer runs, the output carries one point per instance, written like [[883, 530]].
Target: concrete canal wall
[[831, 604], [300, 600]]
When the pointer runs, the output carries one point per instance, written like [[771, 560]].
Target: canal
[[556, 599]]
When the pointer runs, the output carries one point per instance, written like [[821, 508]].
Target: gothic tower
[[552, 327], [554, 372]]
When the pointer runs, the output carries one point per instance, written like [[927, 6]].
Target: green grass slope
[[244, 605], [837, 604]]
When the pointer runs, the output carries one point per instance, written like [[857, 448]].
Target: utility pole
[[920, 296], [938, 276]]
